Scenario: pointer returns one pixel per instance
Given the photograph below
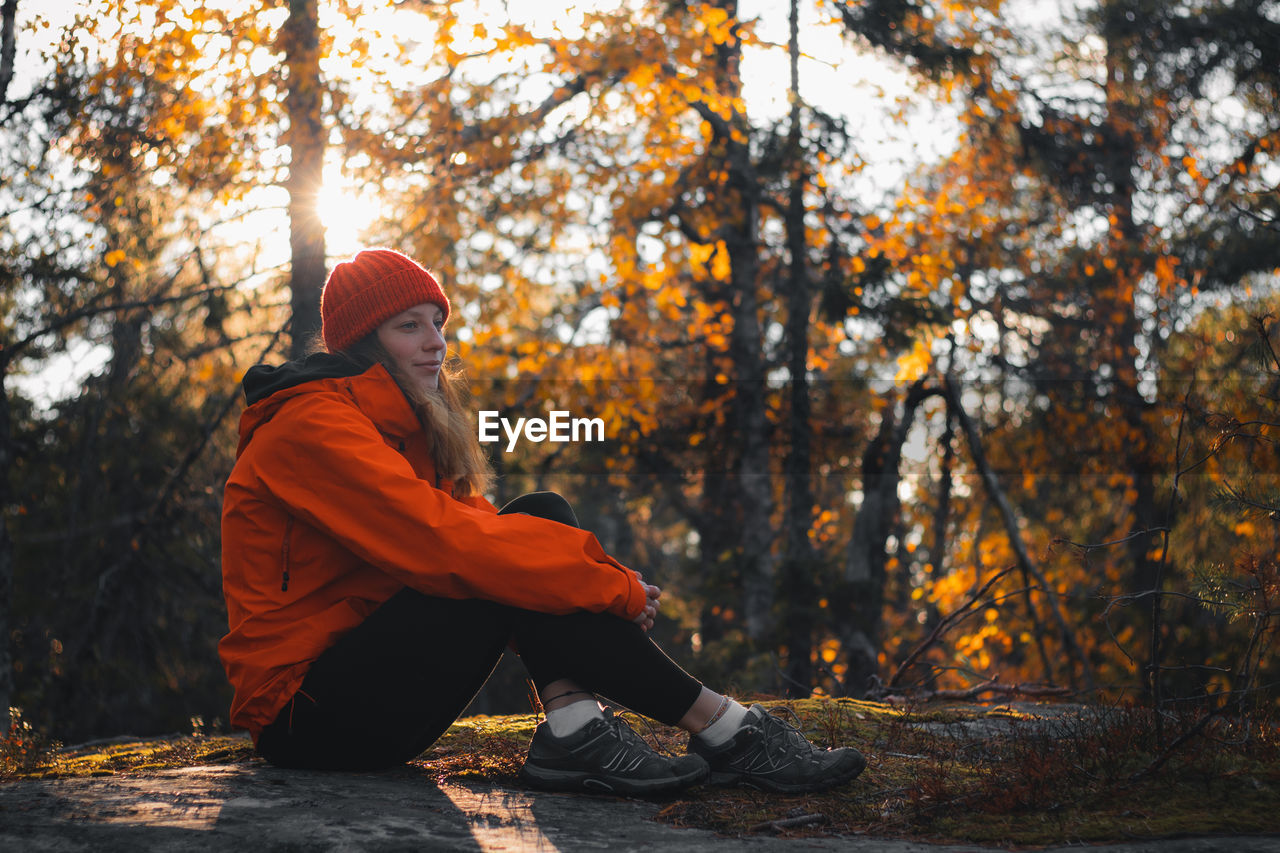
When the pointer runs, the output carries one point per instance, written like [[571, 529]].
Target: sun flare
[[347, 213]]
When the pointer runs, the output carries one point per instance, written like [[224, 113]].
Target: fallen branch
[[789, 823], [992, 685]]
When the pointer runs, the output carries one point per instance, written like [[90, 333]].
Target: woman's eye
[[409, 326]]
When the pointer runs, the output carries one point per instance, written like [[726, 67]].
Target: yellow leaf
[[720, 267], [914, 364]]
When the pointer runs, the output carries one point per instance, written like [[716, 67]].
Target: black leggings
[[391, 686]]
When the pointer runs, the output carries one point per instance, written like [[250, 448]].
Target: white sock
[[725, 727], [568, 719]]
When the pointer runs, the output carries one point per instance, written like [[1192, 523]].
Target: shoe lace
[[784, 739], [626, 735], [633, 738]]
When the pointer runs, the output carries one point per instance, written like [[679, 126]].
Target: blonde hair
[[444, 415]]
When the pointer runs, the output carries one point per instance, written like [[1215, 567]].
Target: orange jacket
[[333, 506]]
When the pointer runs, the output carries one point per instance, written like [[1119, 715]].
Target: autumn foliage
[[992, 415]]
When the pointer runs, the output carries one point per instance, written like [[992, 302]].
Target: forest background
[[935, 341]]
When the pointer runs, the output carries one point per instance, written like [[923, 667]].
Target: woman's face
[[415, 341]]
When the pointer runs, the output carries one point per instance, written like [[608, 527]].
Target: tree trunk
[[6, 551], [860, 599], [740, 208], [750, 409], [8, 50], [1121, 128], [305, 138], [799, 562]]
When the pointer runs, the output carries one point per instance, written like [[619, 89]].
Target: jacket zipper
[[284, 555]]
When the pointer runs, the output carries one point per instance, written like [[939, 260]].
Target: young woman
[[371, 588]]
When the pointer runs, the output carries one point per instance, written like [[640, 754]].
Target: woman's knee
[[549, 505]]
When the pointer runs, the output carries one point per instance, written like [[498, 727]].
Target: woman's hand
[[650, 613]]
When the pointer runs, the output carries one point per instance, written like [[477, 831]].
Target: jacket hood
[[267, 388], [263, 380]]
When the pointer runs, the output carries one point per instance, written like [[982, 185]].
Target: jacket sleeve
[[325, 462]]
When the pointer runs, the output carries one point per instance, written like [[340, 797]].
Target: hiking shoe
[[606, 756], [771, 754]]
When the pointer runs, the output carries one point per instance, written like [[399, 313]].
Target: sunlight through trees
[[933, 341]]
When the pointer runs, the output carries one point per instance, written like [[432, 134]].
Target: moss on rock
[[1011, 774]]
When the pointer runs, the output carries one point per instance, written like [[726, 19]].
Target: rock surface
[[254, 807]]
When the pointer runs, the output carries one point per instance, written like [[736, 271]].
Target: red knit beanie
[[367, 290]]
